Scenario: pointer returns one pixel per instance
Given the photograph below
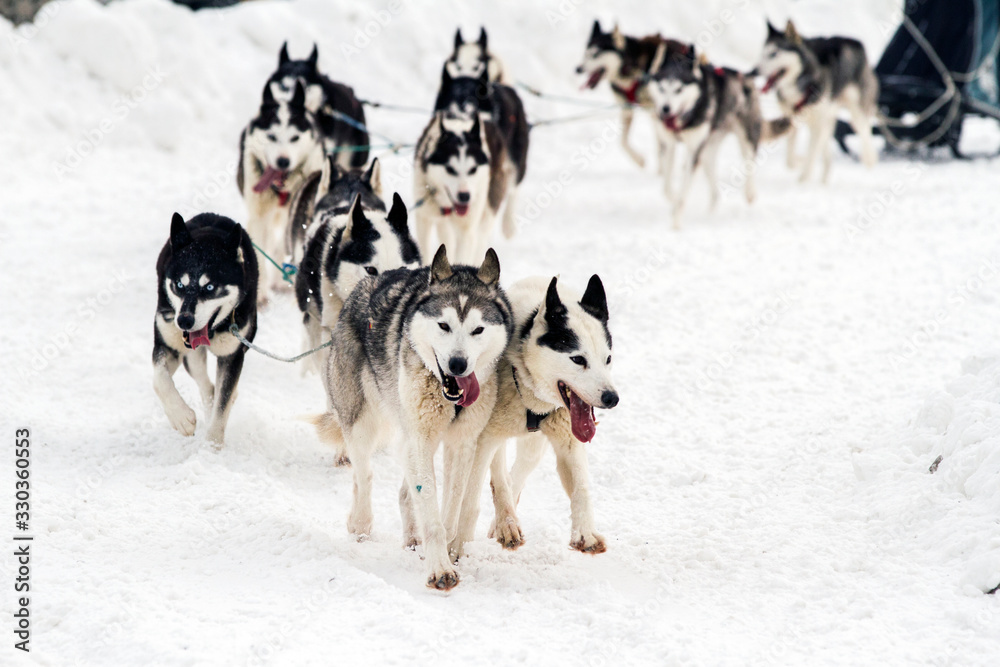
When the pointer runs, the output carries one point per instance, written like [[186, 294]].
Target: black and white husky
[[555, 371], [279, 149], [627, 63], [814, 79], [206, 281], [469, 59], [413, 363], [329, 101], [699, 105]]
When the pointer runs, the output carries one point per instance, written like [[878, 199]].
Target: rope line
[[235, 330]]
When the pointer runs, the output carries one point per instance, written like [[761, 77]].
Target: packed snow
[[790, 372]]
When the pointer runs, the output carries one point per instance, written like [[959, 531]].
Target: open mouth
[[773, 79], [194, 338], [461, 390], [593, 79], [271, 176], [581, 413], [671, 122]]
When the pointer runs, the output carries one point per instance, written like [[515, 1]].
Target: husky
[[279, 149], [461, 177], [206, 282], [338, 113], [469, 59], [700, 105], [815, 78], [414, 363], [346, 245], [555, 371], [627, 62]]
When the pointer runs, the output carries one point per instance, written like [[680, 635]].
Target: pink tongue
[[470, 389], [593, 79], [271, 176], [461, 209], [770, 82], [581, 416], [199, 337]]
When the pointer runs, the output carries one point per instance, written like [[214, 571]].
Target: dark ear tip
[[177, 219]]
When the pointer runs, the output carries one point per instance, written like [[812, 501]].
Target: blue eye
[[180, 285], [209, 287]]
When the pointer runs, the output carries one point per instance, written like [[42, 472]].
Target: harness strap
[[532, 420]]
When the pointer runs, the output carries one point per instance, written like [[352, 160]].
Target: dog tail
[[327, 428], [773, 129]]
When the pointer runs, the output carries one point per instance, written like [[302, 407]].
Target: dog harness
[[630, 93], [533, 420]]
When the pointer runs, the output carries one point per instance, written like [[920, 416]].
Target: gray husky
[[814, 79], [206, 281], [414, 364], [555, 371]]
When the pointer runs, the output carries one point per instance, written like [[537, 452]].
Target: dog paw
[[444, 581], [508, 533], [342, 461], [589, 544], [411, 543], [360, 527], [182, 419], [215, 435]]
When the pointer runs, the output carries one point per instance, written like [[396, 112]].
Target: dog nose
[[457, 365], [579, 69], [282, 163], [609, 398], [463, 197], [185, 320], [665, 110]]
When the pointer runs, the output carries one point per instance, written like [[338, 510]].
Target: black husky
[[207, 281]]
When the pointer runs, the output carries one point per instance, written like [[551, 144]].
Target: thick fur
[[815, 78], [562, 341], [325, 99], [461, 176], [469, 59], [206, 280], [627, 63], [282, 139], [699, 105], [385, 384]]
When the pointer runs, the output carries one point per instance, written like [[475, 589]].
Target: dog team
[[426, 355]]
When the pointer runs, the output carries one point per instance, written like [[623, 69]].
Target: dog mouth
[[773, 79], [271, 177], [456, 208], [581, 413], [671, 122], [196, 337], [462, 391], [593, 79]]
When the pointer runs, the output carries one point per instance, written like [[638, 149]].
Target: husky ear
[[445, 79], [325, 177], [595, 32], [791, 33], [357, 223], [234, 238], [440, 266], [475, 133], [658, 58], [618, 39], [313, 58], [299, 98], [283, 55], [397, 216], [555, 311], [482, 39], [595, 301], [179, 234], [458, 38], [772, 32], [267, 98], [489, 270], [373, 177]]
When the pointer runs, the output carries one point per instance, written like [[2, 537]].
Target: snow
[[789, 372]]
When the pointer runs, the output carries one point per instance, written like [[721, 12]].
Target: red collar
[[283, 195], [630, 93]]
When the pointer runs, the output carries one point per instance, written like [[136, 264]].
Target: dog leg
[[510, 211], [411, 532], [196, 364], [863, 128], [689, 166], [571, 462], [749, 153], [816, 135], [668, 148], [708, 158], [424, 229], [627, 114], [791, 158], [179, 414], [227, 376], [441, 573], [459, 458], [360, 443], [484, 452], [829, 127], [506, 529]]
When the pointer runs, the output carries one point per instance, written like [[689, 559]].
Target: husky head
[[283, 136], [469, 59], [464, 95], [676, 89], [338, 188], [204, 279], [566, 347], [457, 169], [461, 325], [289, 72], [603, 56], [783, 56], [370, 244]]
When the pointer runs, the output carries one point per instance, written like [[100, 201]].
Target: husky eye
[[180, 285], [472, 169], [579, 361], [448, 168], [272, 137], [294, 139], [609, 360], [372, 271], [477, 331], [209, 287], [443, 326]]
